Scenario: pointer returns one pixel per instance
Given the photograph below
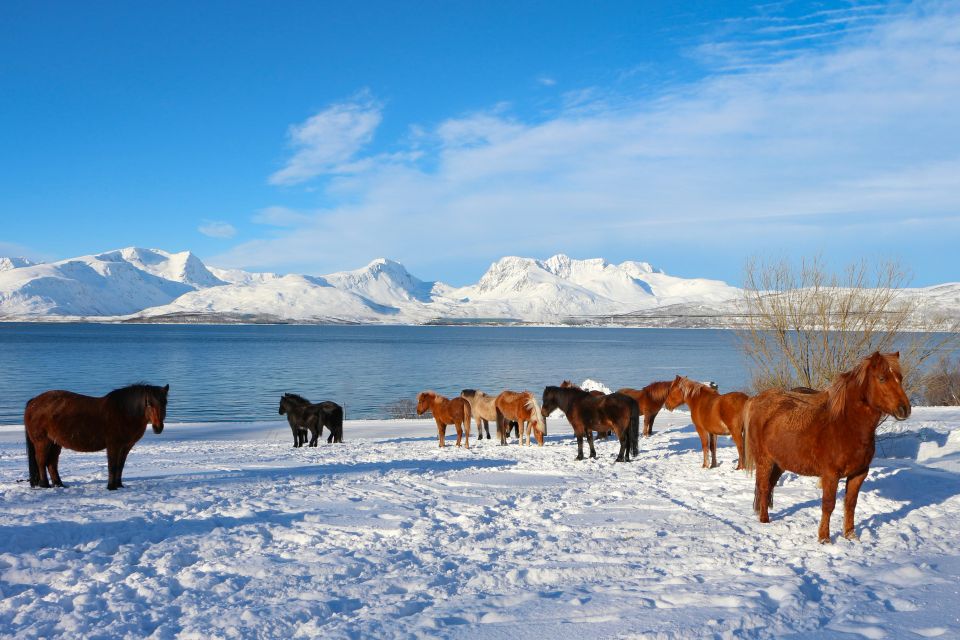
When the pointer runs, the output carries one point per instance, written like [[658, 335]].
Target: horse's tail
[[634, 428], [337, 420], [467, 417], [749, 460], [32, 462]]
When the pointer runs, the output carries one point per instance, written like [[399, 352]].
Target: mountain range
[[150, 285]]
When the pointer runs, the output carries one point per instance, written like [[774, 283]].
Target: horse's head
[[538, 418], [424, 400], [675, 395], [156, 406], [284, 401], [883, 385], [550, 401]]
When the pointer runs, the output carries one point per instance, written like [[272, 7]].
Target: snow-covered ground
[[226, 531]]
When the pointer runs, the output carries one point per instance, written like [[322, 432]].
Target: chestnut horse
[[446, 411], [115, 422], [713, 414], [650, 399], [521, 408], [587, 413], [829, 433]]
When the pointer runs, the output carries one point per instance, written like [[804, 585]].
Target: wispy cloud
[[327, 142], [217, 229], [862, 128]]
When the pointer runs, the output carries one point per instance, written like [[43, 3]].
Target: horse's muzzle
[[158, 428], [902, 412]]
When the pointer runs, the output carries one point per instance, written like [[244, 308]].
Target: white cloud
[[547, 81], [217, 229], [865, 128], [327, 142]]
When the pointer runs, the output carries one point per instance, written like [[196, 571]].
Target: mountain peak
[[8, 263]]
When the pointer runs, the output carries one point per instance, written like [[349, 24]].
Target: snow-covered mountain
[[153, 285]]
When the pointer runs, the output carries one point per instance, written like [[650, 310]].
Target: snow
[[224, 530]]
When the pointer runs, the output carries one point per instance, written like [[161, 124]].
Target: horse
[[446, 411], [650, 399], [115, 422], [522, 408], [830, 434], [482, 407], [713, 414], [303, 415], [566, 384], [586, 413]]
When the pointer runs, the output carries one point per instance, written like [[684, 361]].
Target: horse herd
[[828, 433]]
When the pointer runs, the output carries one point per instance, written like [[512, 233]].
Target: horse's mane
[[838, 393], [692, 389], [430, 392], [657, 391], [535, 408], [296, 398], [130, 399]]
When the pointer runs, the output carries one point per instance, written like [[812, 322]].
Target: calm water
[[219, 373]]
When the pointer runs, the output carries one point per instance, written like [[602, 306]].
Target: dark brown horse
[[566, 384], [650, 399], [115, 422], [713, 414], [830, 434], [303, 415], [446, 411], [587, 413]]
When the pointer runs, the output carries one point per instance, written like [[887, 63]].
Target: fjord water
[[238, 372]]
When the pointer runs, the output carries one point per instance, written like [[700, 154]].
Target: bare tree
[[803, 324]]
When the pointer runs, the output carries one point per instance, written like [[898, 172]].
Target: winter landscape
[[224, 531], [211, 209]]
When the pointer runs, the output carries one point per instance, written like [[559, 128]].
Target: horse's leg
[[458, 425], [441, 432], [713, 450], [466, 429], [593, 452], [705, 445], [850, 503], [579, 445], [762, 491], [624, 449], [42, 454], [648, 423], [121, 462], [737, 434], [113, 462], [53, 465], [826, 509]]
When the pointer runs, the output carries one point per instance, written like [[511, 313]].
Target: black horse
[[302, 415], [587, 413]]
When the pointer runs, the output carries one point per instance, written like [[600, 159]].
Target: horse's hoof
[[851, 536], [825, 540]]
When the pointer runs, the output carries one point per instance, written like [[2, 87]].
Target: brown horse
[[446, 411], [587, 413], [115, 422], [713, 414], [830, 434], [523, 409], [566, 384], [650, 399]]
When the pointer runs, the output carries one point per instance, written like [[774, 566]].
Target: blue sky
[[313, 137]]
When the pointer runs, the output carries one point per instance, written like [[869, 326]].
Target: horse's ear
[[166, 389], [896, 354]]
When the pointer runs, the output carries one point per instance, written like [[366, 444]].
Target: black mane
[[296, 398], [131, 399]]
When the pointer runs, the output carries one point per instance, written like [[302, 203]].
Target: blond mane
[[838, 393]]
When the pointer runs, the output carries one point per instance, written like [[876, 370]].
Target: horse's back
[[70, 419], [785, 426]]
